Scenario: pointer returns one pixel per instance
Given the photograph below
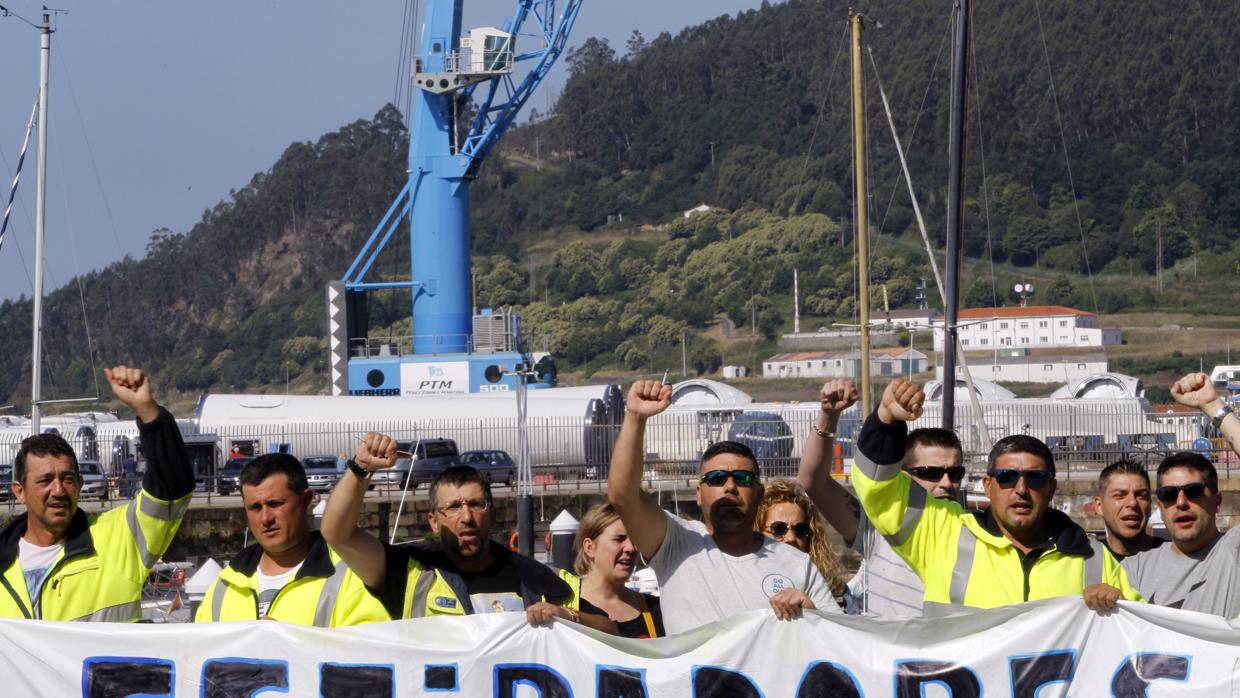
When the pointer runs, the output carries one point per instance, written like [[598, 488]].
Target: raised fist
[[1194, 390], [375, 451], [902, 402], [648, 398], [837, 395], [132, 387]]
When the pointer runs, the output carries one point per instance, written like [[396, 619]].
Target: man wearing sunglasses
[[1200, 569], [1018, 549], [884, 585], [708, 570]]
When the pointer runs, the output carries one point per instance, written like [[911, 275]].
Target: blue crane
[[452, 349]]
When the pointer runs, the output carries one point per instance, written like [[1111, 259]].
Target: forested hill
[[749, 114], [1146, 93]]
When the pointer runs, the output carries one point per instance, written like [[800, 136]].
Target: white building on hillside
[[889, 361], [1060, 368], [1032, 327]]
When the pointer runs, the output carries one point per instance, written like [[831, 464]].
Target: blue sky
[[158, 109]]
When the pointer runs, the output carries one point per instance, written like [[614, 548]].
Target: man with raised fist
[[1018, 549], [713, 569], [58, 563]]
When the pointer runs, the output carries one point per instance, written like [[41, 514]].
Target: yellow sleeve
[[1113, 573]]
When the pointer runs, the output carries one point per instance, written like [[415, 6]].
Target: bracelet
[[820, 432], [359, 471]]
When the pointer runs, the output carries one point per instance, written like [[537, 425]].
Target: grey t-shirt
[[700, 584], [885, 585], [1207, 580]]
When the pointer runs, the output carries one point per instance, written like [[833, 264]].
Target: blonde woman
[[787, 515], [605, 561]]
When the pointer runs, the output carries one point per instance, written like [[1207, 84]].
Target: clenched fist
[[648, 398]]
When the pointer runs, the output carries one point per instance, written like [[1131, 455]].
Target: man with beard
[[1123, 499], [1018, 549], [289, 574], [57, 562], [712, 570], [466, 573], [1200, 569]]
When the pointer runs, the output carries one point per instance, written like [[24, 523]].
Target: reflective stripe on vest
[[156, 509], [966, 546], [912, 515], [217, 599], [421, 590], [1093, 564], [139, 537], [120, 613], [327, 597]]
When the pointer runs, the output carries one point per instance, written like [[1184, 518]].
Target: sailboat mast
[[863, 242], [955, 195], [40, 227]]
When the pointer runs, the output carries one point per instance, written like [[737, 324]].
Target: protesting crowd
[[759, 544]]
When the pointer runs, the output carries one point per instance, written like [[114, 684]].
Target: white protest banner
[[1046, 649]]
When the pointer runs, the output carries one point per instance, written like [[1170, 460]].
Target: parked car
[[94, 484], [321, 471], [230, 475], [6, 482], [495, 466]]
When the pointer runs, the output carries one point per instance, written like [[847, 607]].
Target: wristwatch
[[359, 471], [1221, 415]]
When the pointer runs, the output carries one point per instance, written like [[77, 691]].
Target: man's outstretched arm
[[169, 475], [1196, 390], [642, 517], [362, 552], [836, 504]]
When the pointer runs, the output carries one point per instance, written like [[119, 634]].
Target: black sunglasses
[[1170, 494], [779, 529], [719, 478], [1007, 477], [935, 473]]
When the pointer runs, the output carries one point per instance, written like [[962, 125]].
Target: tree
[[591, 55], [636, 44]]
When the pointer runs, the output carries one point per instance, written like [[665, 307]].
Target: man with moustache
[[713, 569], [1016, 550], [1200, 569], [57, 562], [289, 574], [466, 573], [1123, 500]]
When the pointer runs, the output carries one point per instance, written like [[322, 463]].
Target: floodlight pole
[[525, 472]]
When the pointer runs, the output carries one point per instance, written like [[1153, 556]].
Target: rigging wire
[[921, 108], [25, 212], [1076, 205], [796, 200], [981, 152]]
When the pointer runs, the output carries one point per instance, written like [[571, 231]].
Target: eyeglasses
[[719, 478], [1007, 477], [455, 509], [934, 473], [779, 529], [1170, 494]]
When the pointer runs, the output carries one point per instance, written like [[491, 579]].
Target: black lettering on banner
[[225, 678], [912, 676], [356, 680], [828, 680], [1138, 671], [1030, 674], [440, 677], [118, 677], [618, 682], [717, 682], [548, 681]]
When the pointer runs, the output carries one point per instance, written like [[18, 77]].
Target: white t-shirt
[[700, 584], [885, 584], [36, 560], [270, 584]]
